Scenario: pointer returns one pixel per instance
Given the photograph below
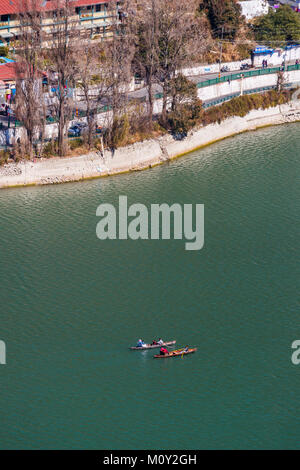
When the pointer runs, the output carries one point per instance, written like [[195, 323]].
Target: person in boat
[[160, 341], [186, 349], [154, 343], [140, 343], [163, 351]]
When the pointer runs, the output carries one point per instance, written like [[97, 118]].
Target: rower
[[163, 351], [160, 341], [140, 343]]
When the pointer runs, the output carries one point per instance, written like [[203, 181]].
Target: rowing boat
[[152, 346], [177, 352]]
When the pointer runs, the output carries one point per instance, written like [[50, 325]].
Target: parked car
[[77, 129], [225, 69], [82, 125], [74, 131], [245, 67]]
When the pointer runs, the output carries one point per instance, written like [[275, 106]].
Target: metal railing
[[244, 74]]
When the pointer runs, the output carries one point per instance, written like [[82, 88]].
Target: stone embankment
[[141, 155]]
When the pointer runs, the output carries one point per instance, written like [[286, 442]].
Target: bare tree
[[118, 51], [168, 35], [92, 83], [281, 80], [180, 35], [30, 109], [62, 47], [144, 26]]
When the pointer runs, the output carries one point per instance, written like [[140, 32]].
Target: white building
[[253, 8]]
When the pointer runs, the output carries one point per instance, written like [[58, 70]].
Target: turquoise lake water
[[72, 304]]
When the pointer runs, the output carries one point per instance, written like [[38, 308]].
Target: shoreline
[[141, 155]]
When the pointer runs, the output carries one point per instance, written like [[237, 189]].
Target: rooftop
[[8, 72], [17, 6]]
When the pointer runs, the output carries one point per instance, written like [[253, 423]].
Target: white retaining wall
[[212, 68], [274, 59], [278, 57]]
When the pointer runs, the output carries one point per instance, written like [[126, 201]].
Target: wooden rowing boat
[[152, 346], [176, 353]]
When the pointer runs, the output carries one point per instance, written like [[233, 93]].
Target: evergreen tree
[[278, 27]]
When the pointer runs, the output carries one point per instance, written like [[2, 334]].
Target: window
[[4, 17], [98, 7]]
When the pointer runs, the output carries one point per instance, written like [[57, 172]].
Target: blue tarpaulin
[[6, 60], [263, 50], [292, 46]]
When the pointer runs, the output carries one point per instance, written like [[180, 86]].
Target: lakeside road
[[140, 155]]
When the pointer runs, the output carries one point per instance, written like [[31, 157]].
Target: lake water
[[71, 305]]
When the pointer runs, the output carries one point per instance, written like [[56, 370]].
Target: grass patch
[[242, 105]]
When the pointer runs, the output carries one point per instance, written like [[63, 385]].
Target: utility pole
[[221, 51]]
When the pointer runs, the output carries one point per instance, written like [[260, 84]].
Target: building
[[253, 8], [8, 73], [94, 16]]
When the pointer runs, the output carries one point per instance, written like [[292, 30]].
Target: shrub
[[118, 133], [50, 149], [76, 143], [184, 118], [242, 105], [4, 50], [4, 156]]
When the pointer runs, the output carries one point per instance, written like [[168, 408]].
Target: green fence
[[250, 73]]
